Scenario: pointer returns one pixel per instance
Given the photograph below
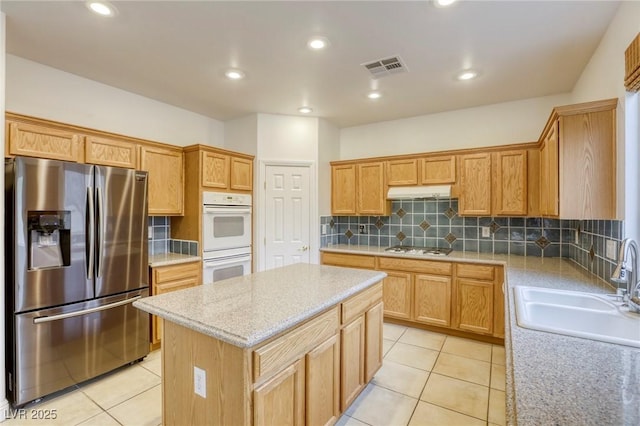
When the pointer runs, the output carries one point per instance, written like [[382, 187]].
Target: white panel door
[[287, 215]]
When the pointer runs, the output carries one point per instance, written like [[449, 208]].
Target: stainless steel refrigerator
[[76, 246]]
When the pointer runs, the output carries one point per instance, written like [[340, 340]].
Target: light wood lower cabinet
[[432, 300], [280, 401], [306, 375], [453, 295], [397, 294], [165, 279]]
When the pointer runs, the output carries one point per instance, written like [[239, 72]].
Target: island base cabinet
[[280, 401], [373, 340], [352, 370], [323, 383]]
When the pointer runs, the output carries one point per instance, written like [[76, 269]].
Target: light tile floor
[[426, 379]]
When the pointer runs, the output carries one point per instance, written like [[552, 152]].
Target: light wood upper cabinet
[[549, 185], [475, 185], [110, 152], [371, 189], [359, 188], [402, 172], [343, 189], [43, 141], [165, 180], [241, 174], [438, 169], [509, 190], [215, 170], [578, 162]]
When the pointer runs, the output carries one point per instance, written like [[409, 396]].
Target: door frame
[[260, 217]]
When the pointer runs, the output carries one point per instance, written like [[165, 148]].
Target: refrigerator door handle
[[40, 320], [100, 234], [90, 230]]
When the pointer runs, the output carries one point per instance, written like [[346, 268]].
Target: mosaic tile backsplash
[[160, 240], [435, 223]]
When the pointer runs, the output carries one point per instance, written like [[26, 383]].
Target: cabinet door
[[373, 341], [241, 174], [371, 189], [475, 305], [439, 169], [323, 383], [165, 180], [510, 183], [215, 170], [475, 190], [44, 142], [549, 170], [432, 302], [110, 152], [343, 189], [397, 289], [280, 401], [352, 362], [402, 172]]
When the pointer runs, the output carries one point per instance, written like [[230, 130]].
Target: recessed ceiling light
[[318, 43], [305, 110], [374, 95], [234, 74], [102, 8], [443, 3], [467, 75]]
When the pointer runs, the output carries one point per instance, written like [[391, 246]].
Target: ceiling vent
[[385, 67]]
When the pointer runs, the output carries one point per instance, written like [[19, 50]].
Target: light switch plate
[[150, 231], [486, 232], [324, 229], [612, 249], [200, 381]]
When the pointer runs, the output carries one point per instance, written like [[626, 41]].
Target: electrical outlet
[[200, 381], [486, 232], [150, 231], [576, 237], [362, 229], [612, 248], [324, 229]]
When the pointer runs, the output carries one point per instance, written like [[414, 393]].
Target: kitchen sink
[[572, 313]]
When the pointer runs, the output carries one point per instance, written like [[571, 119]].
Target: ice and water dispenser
[[49, 239]]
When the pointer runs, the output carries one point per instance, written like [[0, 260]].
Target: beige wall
[[329, 144], [45, 92], [497, 124]]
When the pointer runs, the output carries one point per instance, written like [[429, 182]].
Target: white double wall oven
[[226, 239]]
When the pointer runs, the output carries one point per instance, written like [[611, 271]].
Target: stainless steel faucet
[[628, 248]]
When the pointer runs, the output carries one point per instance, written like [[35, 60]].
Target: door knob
[[304, 248]]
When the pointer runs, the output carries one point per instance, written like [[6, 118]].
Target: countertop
[[167, 259], [554, 379], [245, 311]]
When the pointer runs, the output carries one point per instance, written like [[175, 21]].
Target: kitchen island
[[290, 345]]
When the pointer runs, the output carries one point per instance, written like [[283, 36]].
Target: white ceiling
[[177, 52]]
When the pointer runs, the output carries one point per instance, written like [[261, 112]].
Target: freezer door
[[121, 230], [57, 348], [47, 267]]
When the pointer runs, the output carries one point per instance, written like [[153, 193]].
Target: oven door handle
[[225, 211], [212, 263]]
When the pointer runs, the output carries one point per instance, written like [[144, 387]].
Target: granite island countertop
[[245, 311], [554, 379]]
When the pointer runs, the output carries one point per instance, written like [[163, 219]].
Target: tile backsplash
[[160, 240], [435, 223]]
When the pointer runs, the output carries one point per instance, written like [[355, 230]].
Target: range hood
[[416, 192]]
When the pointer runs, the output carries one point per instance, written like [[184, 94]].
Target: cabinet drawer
[[175, 285], [361, 302], [350, 260], [414, 265], [176, 272], [279, 353], [478, 272]]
